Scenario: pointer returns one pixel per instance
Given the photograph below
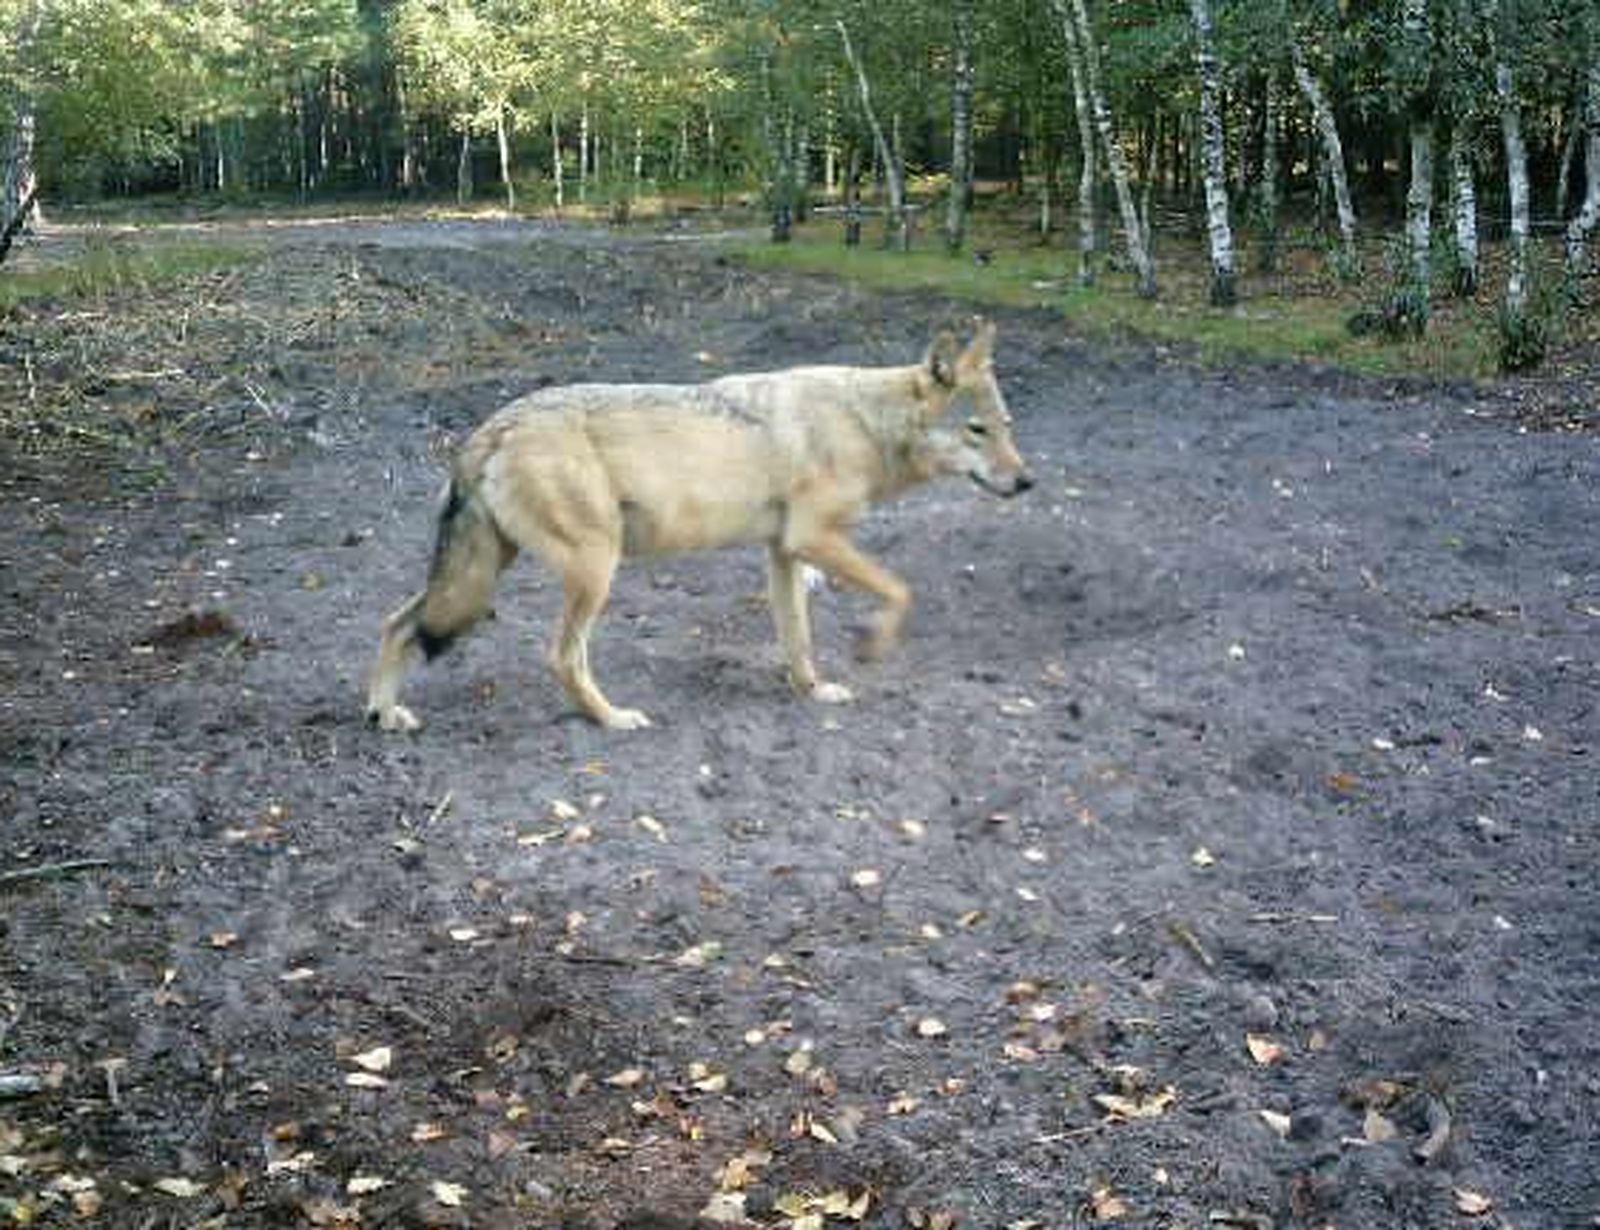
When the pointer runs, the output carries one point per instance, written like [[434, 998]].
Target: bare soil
[[1219, 850]]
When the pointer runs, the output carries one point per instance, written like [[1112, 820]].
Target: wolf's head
[[960, 380]]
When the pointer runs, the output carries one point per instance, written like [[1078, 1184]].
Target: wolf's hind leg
[[791, 613], [586, 576]]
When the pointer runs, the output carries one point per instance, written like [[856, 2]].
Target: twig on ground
[[53, 871], [1182, 932]]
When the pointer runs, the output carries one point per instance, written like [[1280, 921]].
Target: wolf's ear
[[942, 357], [981, 348]]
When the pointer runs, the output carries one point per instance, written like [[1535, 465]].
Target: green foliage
[[1524, 338]]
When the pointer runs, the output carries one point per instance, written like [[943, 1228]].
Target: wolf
[[585, 475]]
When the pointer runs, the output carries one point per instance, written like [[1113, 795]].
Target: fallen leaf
[[914, 829], [700, 955], [626, 1079], [1118, 1106], [1471, 1203], [725, 1207], [1203, 857], [563, 810], [799, 1062], [365, 1080], [179, 1188], [463, 935], [223, 939], [448, 1194], [1107, 1205], [378, 1059], [365, 1185], [1263, 1049], [1023, 991], [903, 1104], [1377, 1127], [931, 1027], [867, 877], [1279, 1123], [424, 1133]]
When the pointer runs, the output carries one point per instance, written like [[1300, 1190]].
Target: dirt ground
[[1219, 851]]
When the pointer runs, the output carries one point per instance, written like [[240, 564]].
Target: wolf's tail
[[469, 554]]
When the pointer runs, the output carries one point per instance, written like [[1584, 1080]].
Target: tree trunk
[[1416, 48], [1333, 161], [1589, 215], [955, 219], [1074, 17], [583, 152], [1271, 141], [1419, 207], [1464, 199], [464, 168], [898, 233], [1088, 172], [502, 138], [1224, 289], [20, 207], [852, 197], [557, 176]]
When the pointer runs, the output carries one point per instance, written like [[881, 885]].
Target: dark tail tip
[[433, 644]]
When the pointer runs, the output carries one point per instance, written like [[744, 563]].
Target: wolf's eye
[[977, 427]]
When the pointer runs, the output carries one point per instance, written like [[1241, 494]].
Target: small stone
[[1260, 1013]]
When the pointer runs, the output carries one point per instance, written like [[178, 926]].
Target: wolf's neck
[[885, 408]]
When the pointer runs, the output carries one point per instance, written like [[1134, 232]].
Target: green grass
[[107, 266], [1297, 316]]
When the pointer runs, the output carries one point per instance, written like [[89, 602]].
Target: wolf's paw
[[832, 694], [395, 718], [625, 719]]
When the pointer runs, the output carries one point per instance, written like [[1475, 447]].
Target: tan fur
[[585, 475]]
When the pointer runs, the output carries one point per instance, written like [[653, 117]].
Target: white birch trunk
[[1116, 160], [955, 221], [557, 176], [1419, 206], [1419, 193], [1333, 160], [1588, 215], [1088, 172], [892, 171], [1464, 202], [464, 168], [503, 140], [1224, 289], [21, 172]]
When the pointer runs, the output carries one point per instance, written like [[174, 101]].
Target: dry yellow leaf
[[931, 1027], [179, 1188], [365, 1080], [449, 1194], [1118, 1106], [652, 826], [866, 877], [1108, 1206], [1263, 1049], [1471, 1203], [903, 1104], [725, 1208], [423, 1133], [365, 1185]]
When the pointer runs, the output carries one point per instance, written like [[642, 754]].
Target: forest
[[1439, 126]]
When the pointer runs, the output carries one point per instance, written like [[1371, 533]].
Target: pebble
[[1260, 1013]]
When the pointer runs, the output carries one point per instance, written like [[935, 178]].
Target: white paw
[[626, 719], [832, 694], [397, 718]]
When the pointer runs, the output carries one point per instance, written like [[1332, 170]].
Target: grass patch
[[1298, 315], [106, 266]]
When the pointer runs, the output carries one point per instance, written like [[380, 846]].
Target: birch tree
[[961, 156], [1349, 262], [1224, 291], [1414, 80], [1079, 34], [899, 234], [1588, 215], [19, 207], [1502, 27]]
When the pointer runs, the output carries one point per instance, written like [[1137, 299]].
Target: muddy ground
[[1219, 850]]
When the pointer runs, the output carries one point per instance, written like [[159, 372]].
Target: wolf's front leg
[[791, 613], [839, 558]]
